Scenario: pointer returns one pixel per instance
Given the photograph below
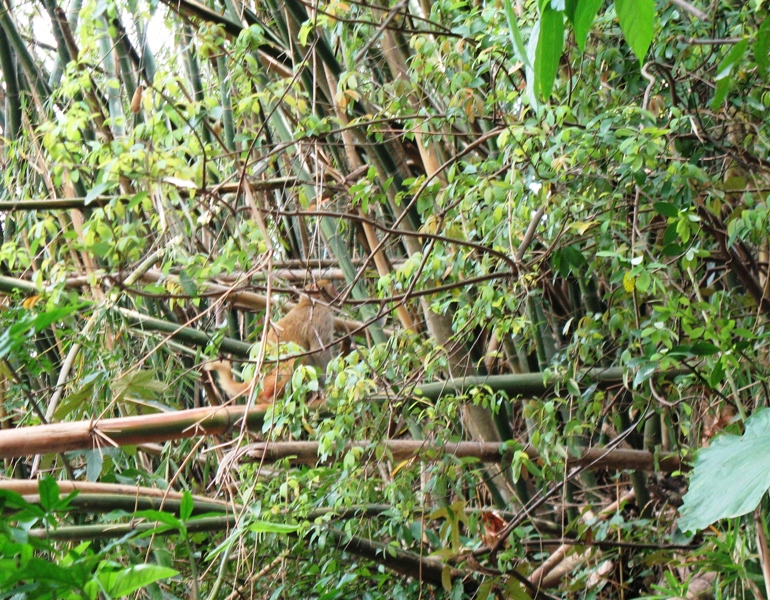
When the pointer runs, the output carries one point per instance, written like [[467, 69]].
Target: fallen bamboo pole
[[105, 497], [125, 431], [488, 452]]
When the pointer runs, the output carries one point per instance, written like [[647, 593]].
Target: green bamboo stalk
[[105, 502], [58, 69], [227, 106], [64, 54], [297, 10], [148, 59], [126, 57], [336, 244], [113, 93], [12, 285], [529, 384], [33, 73], [190, 58], [187, 335], [110, 531], [12, 125], [184, 334]]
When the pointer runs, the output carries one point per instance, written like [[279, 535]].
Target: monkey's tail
[[224, 371], [276, 380]]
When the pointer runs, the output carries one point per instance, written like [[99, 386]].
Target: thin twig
[[696, 12], [710, 41]]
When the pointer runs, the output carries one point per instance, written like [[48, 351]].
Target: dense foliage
[[548, 225]]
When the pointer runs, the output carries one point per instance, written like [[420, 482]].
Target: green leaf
[[446, 578], [137, 199], [138, 383], [48, 490], [733, 58], [14, 501], [569, 9], [761, 48], [723, 77], [43, 320], [672, 250], [704, 349], [186, 506], [162, 517], [267, 527], [643, 281], [529, 70], [682, 351], [94, 463], [76, 399], [549, 46], [39, 571], [96, 191], [717, 374], [740, 464], [127, 581], [582, 18], [516, 39], [637, 20], [644, 372], [188, 283], [665, 208]]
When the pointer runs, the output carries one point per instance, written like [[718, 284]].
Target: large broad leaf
[[637, 20], [127, 581], [730, 476], [45, 573], [529, 69], [549, 47], [582, 14]]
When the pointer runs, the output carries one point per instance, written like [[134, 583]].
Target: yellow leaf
[[628, 282], [446, 579], [401, 465], [30, 302], [430, 226], [582, 226]]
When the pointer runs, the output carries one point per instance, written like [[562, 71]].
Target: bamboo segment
[[125, 431], [487, 452]]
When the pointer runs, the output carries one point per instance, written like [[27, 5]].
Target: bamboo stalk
[[13, 120], [25, 58], [115, 492], [486, 452], [526, 384], [125, 431], [112, 530]]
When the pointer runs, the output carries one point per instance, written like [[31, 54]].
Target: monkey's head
[[323, 289]]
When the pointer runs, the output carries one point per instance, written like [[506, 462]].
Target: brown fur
[[309, 324]]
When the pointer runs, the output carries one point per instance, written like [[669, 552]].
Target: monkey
[[309, 324]]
